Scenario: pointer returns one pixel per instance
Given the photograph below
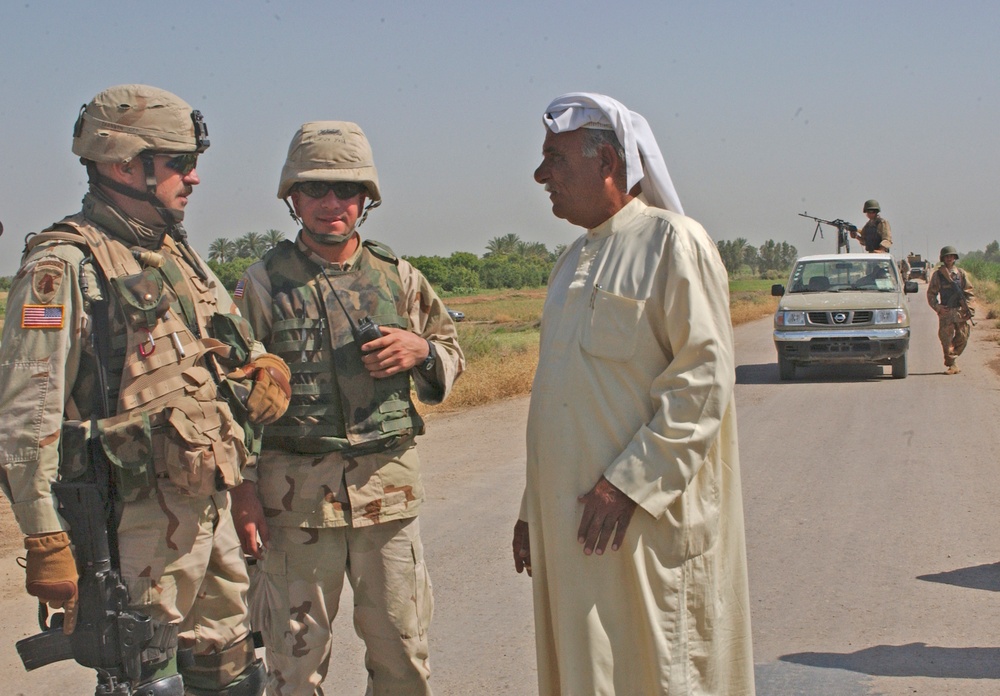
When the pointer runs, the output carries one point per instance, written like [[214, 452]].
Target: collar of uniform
[[99, 209], [319, 260]]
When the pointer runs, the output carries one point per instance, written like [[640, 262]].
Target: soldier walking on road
[[337, 488], [112, 334], [949, 294]]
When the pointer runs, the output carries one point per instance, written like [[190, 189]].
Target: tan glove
[[51, 574], [271, 390]]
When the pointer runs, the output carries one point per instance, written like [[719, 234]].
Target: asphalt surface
[[871, 533]]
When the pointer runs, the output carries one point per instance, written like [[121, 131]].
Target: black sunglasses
[[341, 189], [183, 164]]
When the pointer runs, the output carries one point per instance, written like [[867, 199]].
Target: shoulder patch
[[46, 277], [241, 286], [381, 250], [42, 317]]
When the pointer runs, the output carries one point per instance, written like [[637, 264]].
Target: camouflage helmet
[[125, 120], [330, 151], [948, 251], [871, 204]]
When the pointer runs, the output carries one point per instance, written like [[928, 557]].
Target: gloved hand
[[270, 391], [51, 574]]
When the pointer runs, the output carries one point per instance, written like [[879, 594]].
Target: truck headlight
[[889, 316], [790, 319]]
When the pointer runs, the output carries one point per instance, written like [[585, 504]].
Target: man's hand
[[271, 389], [522, 547], [51, 574], [248, 516], [398, 350], [604, 508]]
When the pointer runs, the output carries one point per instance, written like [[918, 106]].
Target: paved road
[[870, 529]]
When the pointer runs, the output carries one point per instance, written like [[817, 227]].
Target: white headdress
[[590, 110]]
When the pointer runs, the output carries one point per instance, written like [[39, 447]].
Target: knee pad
[[250, 683], [230, 672], [164, 686]]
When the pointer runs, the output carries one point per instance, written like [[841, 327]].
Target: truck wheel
[[899, 367], [786, 368]]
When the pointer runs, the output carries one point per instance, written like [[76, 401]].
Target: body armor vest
[[870, 236], [166, 415], [336, 404], [949, 293]]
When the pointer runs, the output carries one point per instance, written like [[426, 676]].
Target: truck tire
[[786, 368], [899, 367]]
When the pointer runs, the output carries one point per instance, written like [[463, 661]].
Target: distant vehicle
[[918, 267], [843, 308], [456, 315]]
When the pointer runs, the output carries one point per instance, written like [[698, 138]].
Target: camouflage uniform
[[173, 446], [876, 235], [337, 500], [953, 323]]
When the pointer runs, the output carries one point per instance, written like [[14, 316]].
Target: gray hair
[[593, 138]]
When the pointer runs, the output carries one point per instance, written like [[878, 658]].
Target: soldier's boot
[[231, 672], [953, 369]]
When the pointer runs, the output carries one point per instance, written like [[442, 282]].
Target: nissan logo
[[839, 318]]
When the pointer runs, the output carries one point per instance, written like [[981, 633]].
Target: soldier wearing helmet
[[949, 294], [875, 235], [117, 331], [339, 475]]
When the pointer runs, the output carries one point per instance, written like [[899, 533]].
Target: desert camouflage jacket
[[337, 489], [47, 362]]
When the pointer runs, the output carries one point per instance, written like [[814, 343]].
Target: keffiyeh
[[589, 110]]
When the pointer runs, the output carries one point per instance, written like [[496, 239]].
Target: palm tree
[[251, 246], [222, 250], [506, 244], [272, 237]]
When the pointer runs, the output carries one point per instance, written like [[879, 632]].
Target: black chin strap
[[170, 218]]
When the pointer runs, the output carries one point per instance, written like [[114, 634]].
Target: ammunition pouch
[[144, 297], [196, 444], [234, 331]]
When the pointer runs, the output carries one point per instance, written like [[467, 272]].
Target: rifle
[[843, 227], [109, 637], [962, 300]]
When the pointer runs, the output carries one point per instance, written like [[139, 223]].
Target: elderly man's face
[[574, 182]]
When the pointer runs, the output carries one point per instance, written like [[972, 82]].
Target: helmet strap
[[169, 217]]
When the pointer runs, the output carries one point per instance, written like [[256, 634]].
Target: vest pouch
[[127, 442], [144, 297], [235, 332], [74, 455], [201, 446]]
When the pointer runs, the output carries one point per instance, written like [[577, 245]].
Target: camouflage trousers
[[182, 563], [953, 332], [296, 594]]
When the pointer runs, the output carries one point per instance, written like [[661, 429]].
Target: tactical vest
[[168, 420], [870, 236], [336, 404], [949, 293]]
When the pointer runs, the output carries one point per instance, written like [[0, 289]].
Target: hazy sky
[[762, 109]]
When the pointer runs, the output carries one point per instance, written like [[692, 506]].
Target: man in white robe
[[632, 432]]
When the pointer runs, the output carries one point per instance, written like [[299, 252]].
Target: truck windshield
[[839, 275]]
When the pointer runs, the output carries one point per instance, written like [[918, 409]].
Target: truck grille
[[845, 318]]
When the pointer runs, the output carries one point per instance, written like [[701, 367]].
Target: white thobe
[[635, 382]]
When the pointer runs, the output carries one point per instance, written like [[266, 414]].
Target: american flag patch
[[42, 317], [240, 287]]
